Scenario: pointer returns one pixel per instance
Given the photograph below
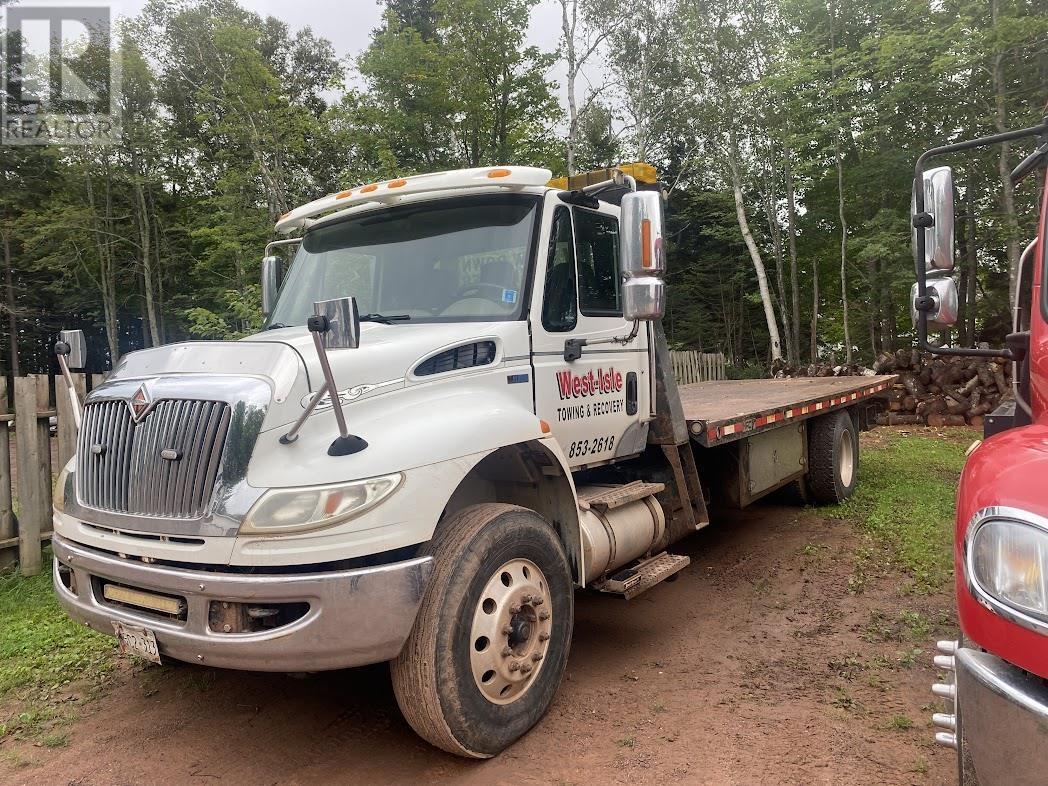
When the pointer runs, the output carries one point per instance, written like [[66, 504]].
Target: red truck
[[995, 676]]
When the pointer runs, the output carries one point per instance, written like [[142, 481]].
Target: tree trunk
[[1004, 169], [840, 191], [12, 317], [107, 273], [755, 254], [962, 283], [780, 273], [791, 213], [146, 236], [874, 306], [568, 29], [813, 349], [973, 267]]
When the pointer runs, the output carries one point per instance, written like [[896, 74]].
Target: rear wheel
[[833, 458], [491, 640]]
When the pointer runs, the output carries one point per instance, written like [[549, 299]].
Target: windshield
[[452, 260]]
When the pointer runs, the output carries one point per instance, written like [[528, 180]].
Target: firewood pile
[[938, 391], [942, 391], [780, 369]]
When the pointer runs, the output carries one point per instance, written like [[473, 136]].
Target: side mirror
[[76, 356], [643, 298], [938, 204], [643, 256], [641, 229], [943, 294], [343, 322], [271, 268]]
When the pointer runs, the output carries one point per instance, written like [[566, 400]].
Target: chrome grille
[[165, 465]]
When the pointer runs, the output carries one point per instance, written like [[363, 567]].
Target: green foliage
[[42, 650], [905, 502], [231, 118]]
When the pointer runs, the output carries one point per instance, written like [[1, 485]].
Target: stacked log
[[941, 390], [930, 389]]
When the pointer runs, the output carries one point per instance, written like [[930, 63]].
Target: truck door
[[598, 404]]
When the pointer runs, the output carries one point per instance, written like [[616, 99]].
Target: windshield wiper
[[385, 320], [276, 326]]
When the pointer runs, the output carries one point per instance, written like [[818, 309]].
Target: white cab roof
[[388, 192]]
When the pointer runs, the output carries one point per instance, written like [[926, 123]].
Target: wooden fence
[[27, 472], [690, 366]]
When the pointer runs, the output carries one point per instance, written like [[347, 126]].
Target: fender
[[1008, 469]]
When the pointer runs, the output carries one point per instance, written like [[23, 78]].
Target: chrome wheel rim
[[846, 458], [511, 631]]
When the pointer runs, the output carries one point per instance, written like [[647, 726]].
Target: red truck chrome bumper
[[999, 713]]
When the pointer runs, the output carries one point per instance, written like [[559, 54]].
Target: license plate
[[137, 641]]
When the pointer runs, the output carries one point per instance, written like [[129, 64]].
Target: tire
[[833, 458], [485, 657]]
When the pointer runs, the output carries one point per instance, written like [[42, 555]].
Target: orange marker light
[[343, 194], [398, 183], [369, 188], [645, 242], [544, 426], [499, 173]]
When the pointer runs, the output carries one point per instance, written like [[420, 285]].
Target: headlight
[[306, 508], [59, 494], [1007, 561]]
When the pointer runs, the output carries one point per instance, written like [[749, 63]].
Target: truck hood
[[287, 361]]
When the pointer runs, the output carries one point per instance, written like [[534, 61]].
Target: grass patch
[[42, 651], [900, 723], [905, 502]]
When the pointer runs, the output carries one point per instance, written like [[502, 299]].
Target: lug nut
[[543, 615], [525, 668], [514, 666], [514, 609], [506, 652], [536, 657], [525, 599], [507, 629], [536, 601], [543, 636]]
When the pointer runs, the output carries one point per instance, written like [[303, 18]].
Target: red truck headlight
[[1007, 564]]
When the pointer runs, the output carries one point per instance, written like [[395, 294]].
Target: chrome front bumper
[[355, 617], [1004, 711]]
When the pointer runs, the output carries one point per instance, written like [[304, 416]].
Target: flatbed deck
[[727, 410]]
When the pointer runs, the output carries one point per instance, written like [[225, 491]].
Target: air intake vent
[[480, 353]]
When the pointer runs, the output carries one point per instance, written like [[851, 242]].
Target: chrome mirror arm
[[62, 350]]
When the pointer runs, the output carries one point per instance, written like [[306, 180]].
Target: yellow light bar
[[642, 173], [145, 600], [389, 191]]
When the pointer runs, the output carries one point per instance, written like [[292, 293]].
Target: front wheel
[[491, 640]]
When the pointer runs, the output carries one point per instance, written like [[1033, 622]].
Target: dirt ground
[[757, 666]]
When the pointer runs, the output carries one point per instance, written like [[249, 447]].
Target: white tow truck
[[460, 412]]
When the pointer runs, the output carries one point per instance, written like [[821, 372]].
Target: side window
[[559, 311], [597, 249]]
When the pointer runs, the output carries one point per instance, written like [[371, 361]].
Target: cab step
[[611, 497], [632, 581]]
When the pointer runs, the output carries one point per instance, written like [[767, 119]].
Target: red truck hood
[[1009, 469]]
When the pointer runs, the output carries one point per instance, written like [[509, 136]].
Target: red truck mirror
[[938, 225]]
